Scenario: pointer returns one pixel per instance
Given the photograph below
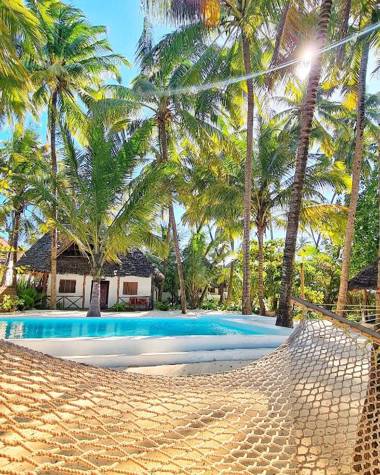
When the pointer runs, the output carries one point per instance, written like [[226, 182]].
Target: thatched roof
[[70, 261], [366, 279]]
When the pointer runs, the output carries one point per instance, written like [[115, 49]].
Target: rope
[[311, 407]]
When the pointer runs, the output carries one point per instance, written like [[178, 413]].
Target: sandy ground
[[211, 367]]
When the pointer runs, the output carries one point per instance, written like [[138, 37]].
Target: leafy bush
[[162, 306], [11, 304], [119, 307], [30, 296], [210, 305]]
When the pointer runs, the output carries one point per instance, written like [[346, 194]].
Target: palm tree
[[164, 67], [19, 34], [20, 158], [71, 64], [356, 173], [102, 208], [306, 117]]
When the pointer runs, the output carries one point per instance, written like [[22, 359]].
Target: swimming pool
[[118, 341], [62, 327]]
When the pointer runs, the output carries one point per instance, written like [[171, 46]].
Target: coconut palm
[[19, 34], [71, 64], [102, 208], [20, 158], [356, 170], [166, 66], [305, 122]]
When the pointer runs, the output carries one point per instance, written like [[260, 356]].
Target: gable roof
[[366, 279], [37, 259]]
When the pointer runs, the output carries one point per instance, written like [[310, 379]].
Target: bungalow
[[131, 281]]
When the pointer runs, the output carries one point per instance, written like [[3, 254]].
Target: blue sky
[[124, 22]]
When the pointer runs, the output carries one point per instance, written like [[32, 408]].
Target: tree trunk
[[182, 291], [306, 118], [15, 239], [246, 296], [203, 295], [278, 40], [230, 283], [10, 275], [163, 139], [343, 31], [165, 265], [54, 170], [221, 294], [377, 320], [356, 168], [261, 290], [94, 309]]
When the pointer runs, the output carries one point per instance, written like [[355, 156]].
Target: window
[[130, 288], [67, 286]]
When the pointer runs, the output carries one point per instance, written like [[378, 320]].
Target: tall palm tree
[[72, 62], [102, 208], [240, 20], [305, 121], [20, 158], [356, 169], [164, 67]]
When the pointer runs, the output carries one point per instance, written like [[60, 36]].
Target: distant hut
[[365, 281], [130, 281]]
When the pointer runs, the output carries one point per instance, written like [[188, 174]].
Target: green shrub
[[119, 307], [210, 305], [162, 306], [11, 304], [30, 296]]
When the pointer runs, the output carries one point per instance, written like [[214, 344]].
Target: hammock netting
[[310, 407]]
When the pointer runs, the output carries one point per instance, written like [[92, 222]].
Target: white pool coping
[[152, 351]]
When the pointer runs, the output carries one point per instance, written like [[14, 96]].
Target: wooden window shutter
[[67, 286], [130, 288]]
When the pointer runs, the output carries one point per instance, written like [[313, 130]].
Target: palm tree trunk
[[10, 275], [94, 309], [54, 234], [377, 320], [344, 30], [231, 276], [163, 138], [203, 295], [306, 118], [261, 291], [182, 290], [246, 296], [277, 44], [356, 168], [15, 239], [165, 265]]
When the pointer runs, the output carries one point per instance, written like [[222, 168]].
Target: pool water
[[48, 327]]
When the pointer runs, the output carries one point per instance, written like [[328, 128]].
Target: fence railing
[[74, 302], [138, 302], [366, 331]]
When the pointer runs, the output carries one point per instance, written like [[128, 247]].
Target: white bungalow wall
[[144, 288]]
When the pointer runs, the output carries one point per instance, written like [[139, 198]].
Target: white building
[[131, 281]]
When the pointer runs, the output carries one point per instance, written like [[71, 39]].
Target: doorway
[[104, 291]]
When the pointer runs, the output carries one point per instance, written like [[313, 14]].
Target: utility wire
[[226, 82]]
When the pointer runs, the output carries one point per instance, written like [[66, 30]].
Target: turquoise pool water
[[48, 327]]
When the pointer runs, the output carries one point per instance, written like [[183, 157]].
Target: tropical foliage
[[248, 174]]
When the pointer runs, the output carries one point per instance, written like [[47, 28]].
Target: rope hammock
[[311, 407]]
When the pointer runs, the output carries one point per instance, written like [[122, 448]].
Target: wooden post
[[118, 289], [83, 291]]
